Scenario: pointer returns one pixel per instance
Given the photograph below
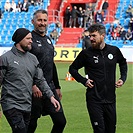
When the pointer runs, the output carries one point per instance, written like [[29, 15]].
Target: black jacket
[[86, 43], [43, 49], [101, 67]]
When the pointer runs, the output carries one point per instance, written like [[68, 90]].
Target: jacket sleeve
[[3, 68], [41, 82], [55, 77], [75, 66], [123, 66]]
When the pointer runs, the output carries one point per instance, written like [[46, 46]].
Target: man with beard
[[43, 49], [19, 71], [100, 61]]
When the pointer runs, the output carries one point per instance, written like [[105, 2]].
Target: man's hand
[[59, 93], [89, 83], [55, 103], [36, 91], [119, 83]]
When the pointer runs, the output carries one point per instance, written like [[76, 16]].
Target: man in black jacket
[[100, 60], [43, 49], [86, 43]]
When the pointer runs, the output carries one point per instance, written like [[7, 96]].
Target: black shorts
[[43, 106]]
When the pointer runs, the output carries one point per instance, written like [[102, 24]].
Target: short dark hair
[[97, 27], [40, 11]]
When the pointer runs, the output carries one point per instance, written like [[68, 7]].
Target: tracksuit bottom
[[102, 116], [18, 120], [43, 107]]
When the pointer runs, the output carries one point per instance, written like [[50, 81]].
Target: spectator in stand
[[25, 6], [19, 6], [115, 35], [105, 8], [13, 6], [32, 2], [54, 35], [39, 2], [111, 29], [74, 14], [122, 33], [129, 11], [7, 6], [128, 35], [118, 28], [80, 17], [99, 17], [87, 14], [92, 7], [67, 16], [90, 21], [131, 24]]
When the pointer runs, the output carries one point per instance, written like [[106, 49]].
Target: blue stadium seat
[[79, 45]]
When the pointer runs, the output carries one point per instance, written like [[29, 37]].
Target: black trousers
[[45, 107], [18, 120], [103, 117]]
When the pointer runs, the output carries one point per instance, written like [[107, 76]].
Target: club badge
[[110, 56]]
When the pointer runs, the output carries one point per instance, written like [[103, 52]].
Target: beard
[[26, 48], [96, 45]]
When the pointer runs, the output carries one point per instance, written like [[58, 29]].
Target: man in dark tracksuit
[[86, 43], [43, 49], [100, 61], [19, 71]]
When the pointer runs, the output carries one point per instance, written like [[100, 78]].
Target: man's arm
[[56, 81], [75, 66], [123, 66], [41, 83]]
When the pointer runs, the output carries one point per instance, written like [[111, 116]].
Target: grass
[[75, 107]]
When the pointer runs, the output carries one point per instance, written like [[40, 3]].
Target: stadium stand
[[12, 20]]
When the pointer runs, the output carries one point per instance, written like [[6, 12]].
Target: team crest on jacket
[[48, 41], [110, 56]]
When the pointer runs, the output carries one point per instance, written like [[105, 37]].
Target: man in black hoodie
[[100, 61]]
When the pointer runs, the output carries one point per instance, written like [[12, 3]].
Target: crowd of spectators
[[20, 6], [79, 17], [118, 32]]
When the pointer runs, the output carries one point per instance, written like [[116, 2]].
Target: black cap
[[19, 34]]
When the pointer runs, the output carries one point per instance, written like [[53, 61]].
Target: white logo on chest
[[110, 56], [16, 62], [95, 59], [39, 43]]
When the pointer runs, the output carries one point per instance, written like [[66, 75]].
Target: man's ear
[[32, 21], [103, 35]]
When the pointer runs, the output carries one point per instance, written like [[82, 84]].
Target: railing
[[54, 16]]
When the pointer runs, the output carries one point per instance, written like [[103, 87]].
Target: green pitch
[[74, 105]]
